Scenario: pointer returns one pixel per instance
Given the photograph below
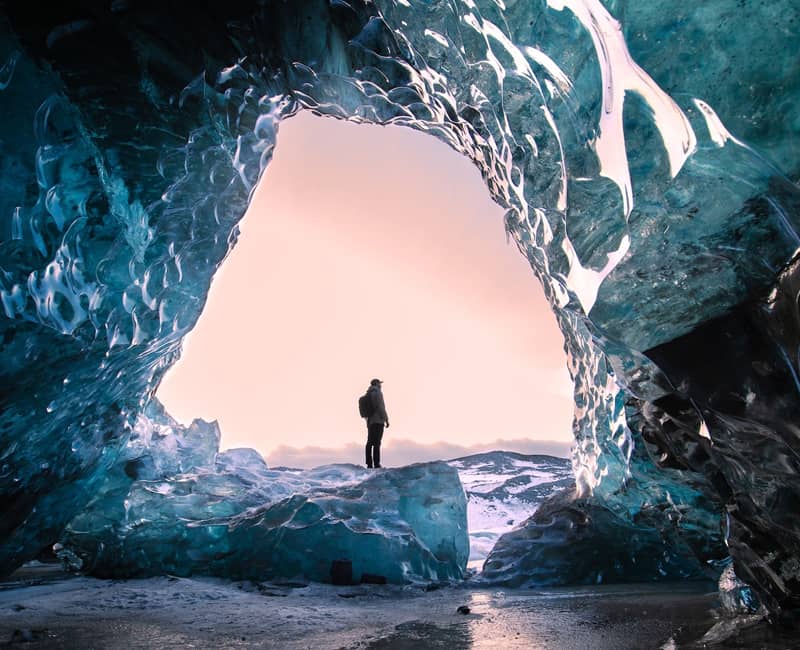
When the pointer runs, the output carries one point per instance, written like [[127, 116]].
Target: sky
[[372, 251]]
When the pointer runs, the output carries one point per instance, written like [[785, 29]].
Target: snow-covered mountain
[[504, 489]]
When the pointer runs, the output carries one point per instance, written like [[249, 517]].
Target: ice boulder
[[158, 446], [570, 540], [237, 518]]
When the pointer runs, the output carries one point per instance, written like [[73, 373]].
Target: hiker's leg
[[372, 440], [368, 448], [376, 441]]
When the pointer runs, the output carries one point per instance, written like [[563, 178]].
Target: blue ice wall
[[173, 504], [647, 156]]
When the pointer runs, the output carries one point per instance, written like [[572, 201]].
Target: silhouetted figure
[[375, 423]]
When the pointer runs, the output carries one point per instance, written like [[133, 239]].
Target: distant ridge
[[399, 451], [509, 454]]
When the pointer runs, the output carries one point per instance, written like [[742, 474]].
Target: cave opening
[[668, 252], [407, 276]]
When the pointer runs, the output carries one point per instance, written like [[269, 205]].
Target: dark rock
[[372, 579], [342, 572], [26, 635]]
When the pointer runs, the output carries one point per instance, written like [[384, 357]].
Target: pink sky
[[372, 252]]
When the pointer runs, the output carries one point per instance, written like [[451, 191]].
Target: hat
[[375, 382]]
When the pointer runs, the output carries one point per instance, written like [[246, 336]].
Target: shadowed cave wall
[[648, 167]]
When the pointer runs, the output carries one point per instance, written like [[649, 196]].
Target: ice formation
[[185, 509], [647, 160]]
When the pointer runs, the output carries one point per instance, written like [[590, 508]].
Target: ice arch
[[664, 243], [459, 316]]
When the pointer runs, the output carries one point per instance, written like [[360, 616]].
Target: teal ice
[[174, 504], [647, 156]]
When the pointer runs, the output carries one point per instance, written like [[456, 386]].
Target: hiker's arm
[[382, 408]]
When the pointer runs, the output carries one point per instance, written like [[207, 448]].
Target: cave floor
[[40, 607]]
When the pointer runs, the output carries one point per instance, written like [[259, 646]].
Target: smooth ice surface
[[647, 158], [228, 514]]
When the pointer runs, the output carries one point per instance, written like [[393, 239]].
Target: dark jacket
[[379, 415]]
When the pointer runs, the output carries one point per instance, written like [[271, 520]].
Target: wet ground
[[40, 607]]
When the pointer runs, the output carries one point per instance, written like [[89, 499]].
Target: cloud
[[398, 452]]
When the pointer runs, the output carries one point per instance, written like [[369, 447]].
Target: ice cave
[[647, 159]]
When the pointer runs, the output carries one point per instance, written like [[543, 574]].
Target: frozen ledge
[[230, 515]]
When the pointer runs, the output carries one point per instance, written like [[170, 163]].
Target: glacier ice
[[576, 541], [647, 159], [166, 507]]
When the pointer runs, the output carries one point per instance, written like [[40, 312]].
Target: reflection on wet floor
[[53, 610], [634, 617]]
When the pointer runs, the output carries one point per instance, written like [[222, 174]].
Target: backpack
[[365, 406]]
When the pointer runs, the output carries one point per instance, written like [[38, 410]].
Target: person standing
[[375, 423]]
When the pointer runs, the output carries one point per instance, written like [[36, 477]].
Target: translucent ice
[[647, 158], [736, 597], [229, 515]]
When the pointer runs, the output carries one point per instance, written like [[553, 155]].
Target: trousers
[[373, 448]]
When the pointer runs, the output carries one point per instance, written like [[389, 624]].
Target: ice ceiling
[[647, 159]]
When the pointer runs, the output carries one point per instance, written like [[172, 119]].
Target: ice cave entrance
[[374, 251]]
